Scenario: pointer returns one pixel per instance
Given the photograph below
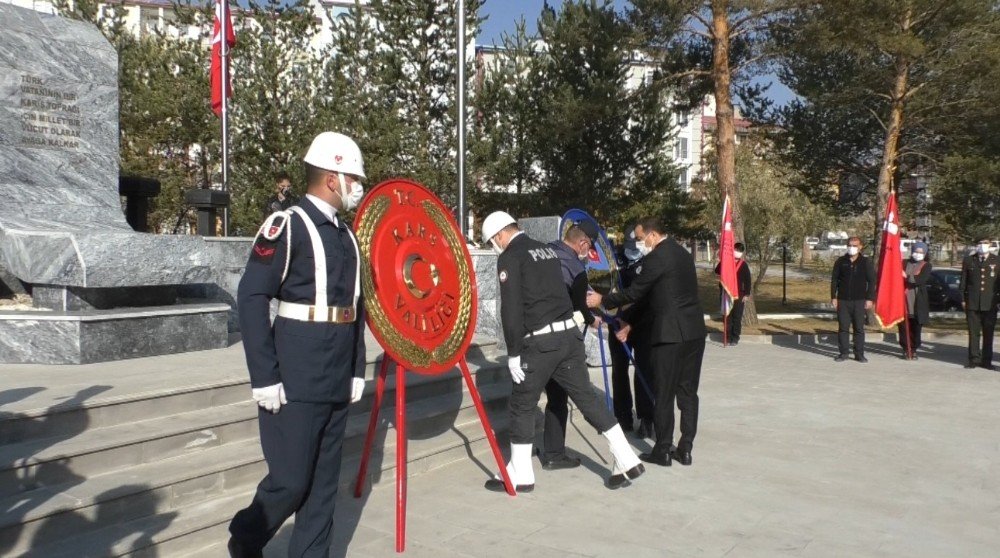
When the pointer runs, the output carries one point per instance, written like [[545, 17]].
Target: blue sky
[[504, 13]]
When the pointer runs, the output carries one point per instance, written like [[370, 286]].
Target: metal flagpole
[[462, 225], [224, 36]]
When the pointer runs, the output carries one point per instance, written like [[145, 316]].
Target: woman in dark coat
[[916, 272]]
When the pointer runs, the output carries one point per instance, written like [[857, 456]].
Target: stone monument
[[62, 229]]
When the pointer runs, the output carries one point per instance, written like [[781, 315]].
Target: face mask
[[352, 198], [633, 255], [582, 257], [853, 250], [918, 257], [644, 248], [737, 255], [984, 248]]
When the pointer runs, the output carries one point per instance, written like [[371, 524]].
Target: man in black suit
[[979, 291], [668, 286]]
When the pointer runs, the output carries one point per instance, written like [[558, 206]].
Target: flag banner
[[890, 303], [215, 72], [727, 261]]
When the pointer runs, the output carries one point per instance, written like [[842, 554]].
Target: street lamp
[[784, 276]]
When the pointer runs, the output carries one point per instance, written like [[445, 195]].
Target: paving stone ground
[[796, 455]]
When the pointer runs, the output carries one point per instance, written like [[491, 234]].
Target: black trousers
[[851, 314], [560, 357], [642, 381], [981, 326], [915, 329], [734, 322], [302, 446], [677, 369], [556, 417]]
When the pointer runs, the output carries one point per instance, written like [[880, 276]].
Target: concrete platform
[[796, 456]]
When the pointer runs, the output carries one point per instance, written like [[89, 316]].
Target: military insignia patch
[[273, 230], [503, 275], [263, 251]]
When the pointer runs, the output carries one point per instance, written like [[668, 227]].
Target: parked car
[[942, 290], [812, 241]]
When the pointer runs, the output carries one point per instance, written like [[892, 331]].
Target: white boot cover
[[520, 467], [625, 458]]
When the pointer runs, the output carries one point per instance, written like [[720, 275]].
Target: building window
[[681, 149], [682, 178], [648, 78], [682, 118]]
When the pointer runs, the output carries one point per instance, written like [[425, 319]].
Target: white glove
[[357, 389], [516, 373], [271, 398]]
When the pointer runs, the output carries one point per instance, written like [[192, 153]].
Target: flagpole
[[224, 35], [462, 225]]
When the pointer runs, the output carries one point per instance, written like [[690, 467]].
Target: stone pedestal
[[138, 191], [542, 229], [209, 204]]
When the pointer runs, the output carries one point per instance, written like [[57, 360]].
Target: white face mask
[[918, 257], [983, 248], [352, 198], [737, 255], [643, 248], [853, 250]]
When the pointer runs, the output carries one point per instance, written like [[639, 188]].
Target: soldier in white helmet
[[308, 366], [543, 343]]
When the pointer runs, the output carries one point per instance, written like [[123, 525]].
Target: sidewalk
[[796, 455]]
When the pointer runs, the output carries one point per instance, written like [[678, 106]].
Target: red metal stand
[[401, 440]]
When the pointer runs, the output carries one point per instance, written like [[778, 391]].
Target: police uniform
[[538, 326], [979, 290], [307, 258]]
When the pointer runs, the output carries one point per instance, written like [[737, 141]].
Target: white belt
[[553, 327], [309, 313]]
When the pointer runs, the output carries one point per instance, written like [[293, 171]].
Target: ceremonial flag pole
[[219, 79], [462, 225], [890, 302], [727, 268]]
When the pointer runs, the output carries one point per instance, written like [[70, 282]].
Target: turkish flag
[[727, 262], [890, 304], [215, 73]]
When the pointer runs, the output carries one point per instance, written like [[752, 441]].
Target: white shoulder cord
[[319, 257], [357, 271], [265, 230]]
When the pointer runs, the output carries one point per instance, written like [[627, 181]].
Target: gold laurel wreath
[[417, 356]]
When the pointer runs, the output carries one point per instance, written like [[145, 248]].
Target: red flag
[[215, 73], [727, 262], [890, 304]]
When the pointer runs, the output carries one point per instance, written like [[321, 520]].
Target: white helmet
[[494, 223], [336, 153]]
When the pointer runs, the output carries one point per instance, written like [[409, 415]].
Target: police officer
[[979, 291], [307, 366], [543, 343], [573, 251]]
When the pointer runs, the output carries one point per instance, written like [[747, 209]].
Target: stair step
[[435, 426]]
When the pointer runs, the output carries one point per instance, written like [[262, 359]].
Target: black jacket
[[668, 287], [853, 280], [918, 284], [979, 282], [574, 275], [743, 278], [532, 293]]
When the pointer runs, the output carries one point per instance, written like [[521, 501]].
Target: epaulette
[[270, 231]]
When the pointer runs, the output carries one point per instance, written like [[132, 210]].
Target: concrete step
[[436, 426]]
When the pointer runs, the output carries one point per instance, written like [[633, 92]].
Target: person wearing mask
[[852, 289], [573, 251], [282, 198], [916, 273], [978, 286], [544, 342], [734, 322], [309, 365], [668, 288]]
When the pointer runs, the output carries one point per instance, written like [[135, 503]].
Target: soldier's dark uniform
[[979, 290], [536, 314], [316, 361], [634, 316]]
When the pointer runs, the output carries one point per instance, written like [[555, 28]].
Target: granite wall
[[61, 221]]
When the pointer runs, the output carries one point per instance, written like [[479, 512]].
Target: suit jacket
[[668, 287], [979, 282]]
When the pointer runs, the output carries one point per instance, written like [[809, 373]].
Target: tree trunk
[[890, 154], [725, 131]]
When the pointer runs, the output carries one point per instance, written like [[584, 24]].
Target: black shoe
[[969, 365], [682, 457], [645, 429], [990, 367], [734, 342], [624, 479], [559, 462], [497, 485], [656, 459], [237, 550], [861, 359], [840, 358]]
